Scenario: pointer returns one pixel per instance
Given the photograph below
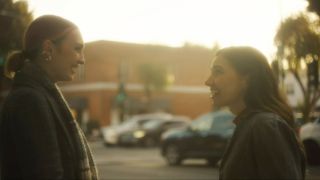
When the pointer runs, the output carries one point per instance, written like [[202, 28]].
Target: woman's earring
[[48, 58]]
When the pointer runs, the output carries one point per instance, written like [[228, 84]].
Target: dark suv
[[206, 137]]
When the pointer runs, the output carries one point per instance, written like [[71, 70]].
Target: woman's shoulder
[[25, 95], [26, 91], [267, 120], [267, 116], [23, 100]]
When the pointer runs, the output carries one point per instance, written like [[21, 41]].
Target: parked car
[[149, 133], [206, 137], [310, 137], [111, 134]]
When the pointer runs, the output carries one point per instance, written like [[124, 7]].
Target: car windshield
[[129, 123], [153, 124], [222, 123], [203, 123], [214, 122]]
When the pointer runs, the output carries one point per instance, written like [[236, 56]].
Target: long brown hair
[[47, 27], [262, 92]]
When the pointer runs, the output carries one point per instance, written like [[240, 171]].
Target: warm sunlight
[[175, 22]]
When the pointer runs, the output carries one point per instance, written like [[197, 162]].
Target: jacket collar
[[245, 114], [239, 121], [33, 75]]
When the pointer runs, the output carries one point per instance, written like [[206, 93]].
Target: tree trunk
[[306, 110]]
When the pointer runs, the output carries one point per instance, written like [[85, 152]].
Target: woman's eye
[[217, 71], [79, 49]]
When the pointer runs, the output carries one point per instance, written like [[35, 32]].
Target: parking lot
[[115, 163]]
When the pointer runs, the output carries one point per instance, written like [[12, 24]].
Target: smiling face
[[227, 86], [66, 55]]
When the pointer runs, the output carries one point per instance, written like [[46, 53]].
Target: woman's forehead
[[74, 37], [217, 60]]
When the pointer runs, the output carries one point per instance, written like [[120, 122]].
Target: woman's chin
[[71, 76], [67, 78], [217, 103]]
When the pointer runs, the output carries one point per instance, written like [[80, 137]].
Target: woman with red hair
[[39, 137]]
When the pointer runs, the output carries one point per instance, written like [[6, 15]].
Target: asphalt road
[[116, 163]]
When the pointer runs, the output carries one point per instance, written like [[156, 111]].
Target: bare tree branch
[[315, 98]]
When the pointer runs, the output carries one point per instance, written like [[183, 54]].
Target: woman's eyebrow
[[79, 44], [216, 67]]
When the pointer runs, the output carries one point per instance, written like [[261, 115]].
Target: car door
[[199, 131], [316, 130], [221, 130]]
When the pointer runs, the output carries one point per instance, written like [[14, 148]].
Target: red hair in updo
[[47, 27]]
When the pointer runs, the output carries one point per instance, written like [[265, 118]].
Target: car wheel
[[107, 144], [313, 152], [172, 155], [150, 142], [212, 161]]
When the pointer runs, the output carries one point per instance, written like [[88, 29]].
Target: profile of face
[[227, 86], [66, 56]]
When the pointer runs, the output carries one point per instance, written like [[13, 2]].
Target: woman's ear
[[47, 47], [47, 50]]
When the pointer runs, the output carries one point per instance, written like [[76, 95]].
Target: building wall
[[190, 67]]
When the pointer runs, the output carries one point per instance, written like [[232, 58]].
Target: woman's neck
[[237, 108], [46, 70]]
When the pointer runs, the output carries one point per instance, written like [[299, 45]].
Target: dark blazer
[[35, 140], [263, 147]]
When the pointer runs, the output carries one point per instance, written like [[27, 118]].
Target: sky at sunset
[[175, 22]]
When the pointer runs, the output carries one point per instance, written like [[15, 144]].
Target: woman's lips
[[74, 70], [214, 93]]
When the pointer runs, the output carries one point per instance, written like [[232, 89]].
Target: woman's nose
[[81, 59], [208, 82]]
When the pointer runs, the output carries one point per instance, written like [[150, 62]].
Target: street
[[115, 163]]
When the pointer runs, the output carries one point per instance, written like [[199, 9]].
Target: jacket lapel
[[241, 122], [228, 149], [60, 121]]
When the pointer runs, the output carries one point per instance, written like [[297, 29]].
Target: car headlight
[[164, 135], [139, 134], [111, 133]]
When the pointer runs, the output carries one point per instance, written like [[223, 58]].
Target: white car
[[310, 136], [111, 134]]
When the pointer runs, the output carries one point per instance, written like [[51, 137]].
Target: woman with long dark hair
[[264, 144]]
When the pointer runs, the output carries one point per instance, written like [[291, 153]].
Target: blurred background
[[141, 94]]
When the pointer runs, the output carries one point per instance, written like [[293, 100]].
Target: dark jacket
[[263, 147], [36, 142]]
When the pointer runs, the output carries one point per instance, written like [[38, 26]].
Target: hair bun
[[14, 63]]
